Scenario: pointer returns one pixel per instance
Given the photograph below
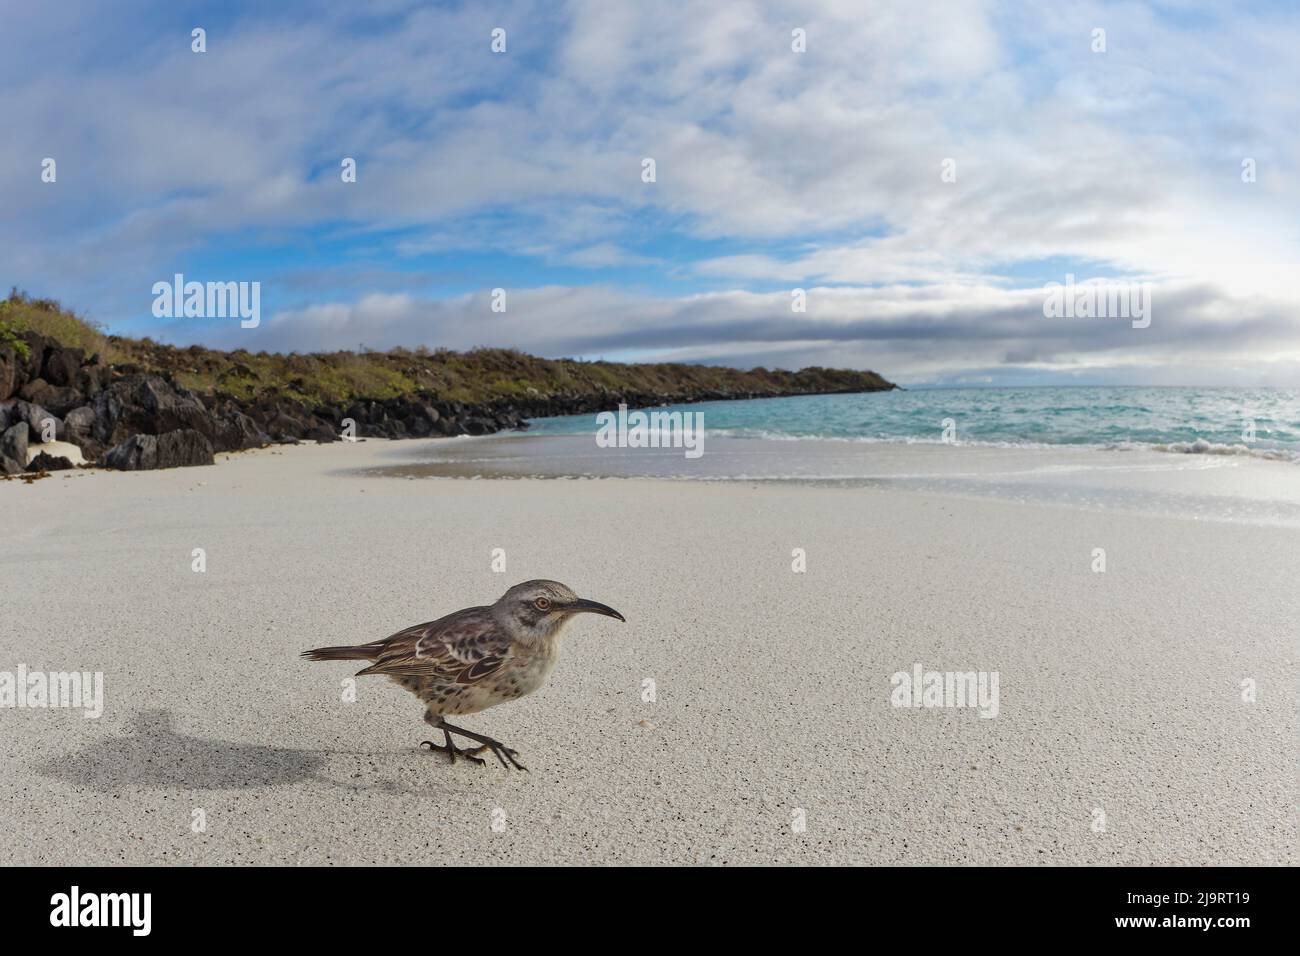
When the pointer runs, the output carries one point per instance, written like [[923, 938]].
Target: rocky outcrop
[[13, 442], [62, 366], [79, 425], [187, 432], [126, 417], [40, 422], [232, 430], [181, 448], [60, 399], [123, 419], [45, 385], [47, 462], [9, 381], [147, 404]]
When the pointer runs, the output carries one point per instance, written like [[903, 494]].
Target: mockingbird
[[475, 659]]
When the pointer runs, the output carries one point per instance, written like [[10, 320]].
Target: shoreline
[[1233, 488]]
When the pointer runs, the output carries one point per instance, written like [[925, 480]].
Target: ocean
[[1221, 454], [1261, 422]]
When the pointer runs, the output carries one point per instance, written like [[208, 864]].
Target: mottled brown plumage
[[476, 658]]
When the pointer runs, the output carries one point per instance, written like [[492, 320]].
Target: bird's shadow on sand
[[154, 755]]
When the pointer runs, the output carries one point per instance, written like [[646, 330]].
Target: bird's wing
[[461, 648]]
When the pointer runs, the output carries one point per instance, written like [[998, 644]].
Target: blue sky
[[776, 170]]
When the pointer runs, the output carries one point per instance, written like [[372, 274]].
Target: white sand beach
[[1120, 693]]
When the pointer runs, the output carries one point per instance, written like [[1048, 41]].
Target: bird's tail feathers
[[363, 652]]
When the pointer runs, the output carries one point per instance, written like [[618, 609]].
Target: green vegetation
[[20, 312], [477, 377], [9, 339]]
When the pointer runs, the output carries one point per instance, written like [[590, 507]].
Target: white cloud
[[816, 169], [914, 333]]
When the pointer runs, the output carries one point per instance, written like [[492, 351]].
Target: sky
[[921, 170]]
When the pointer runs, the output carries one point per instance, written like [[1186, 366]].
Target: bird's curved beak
[[595, 607]]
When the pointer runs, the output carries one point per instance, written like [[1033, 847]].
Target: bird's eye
[[542, 604]]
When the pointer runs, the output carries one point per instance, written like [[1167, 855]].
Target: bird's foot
[[499, 750], [452, 751], [504, 753]]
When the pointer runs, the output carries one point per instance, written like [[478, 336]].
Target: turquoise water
[[1206, 420], [1172, 452]]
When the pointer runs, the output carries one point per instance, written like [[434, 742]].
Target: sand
[[1120, 693]]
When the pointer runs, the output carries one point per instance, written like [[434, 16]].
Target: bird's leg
[[499, 750], [451, 750]]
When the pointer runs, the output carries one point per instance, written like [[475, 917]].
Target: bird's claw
[[502, 753], [453, 752], [500, 749]]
